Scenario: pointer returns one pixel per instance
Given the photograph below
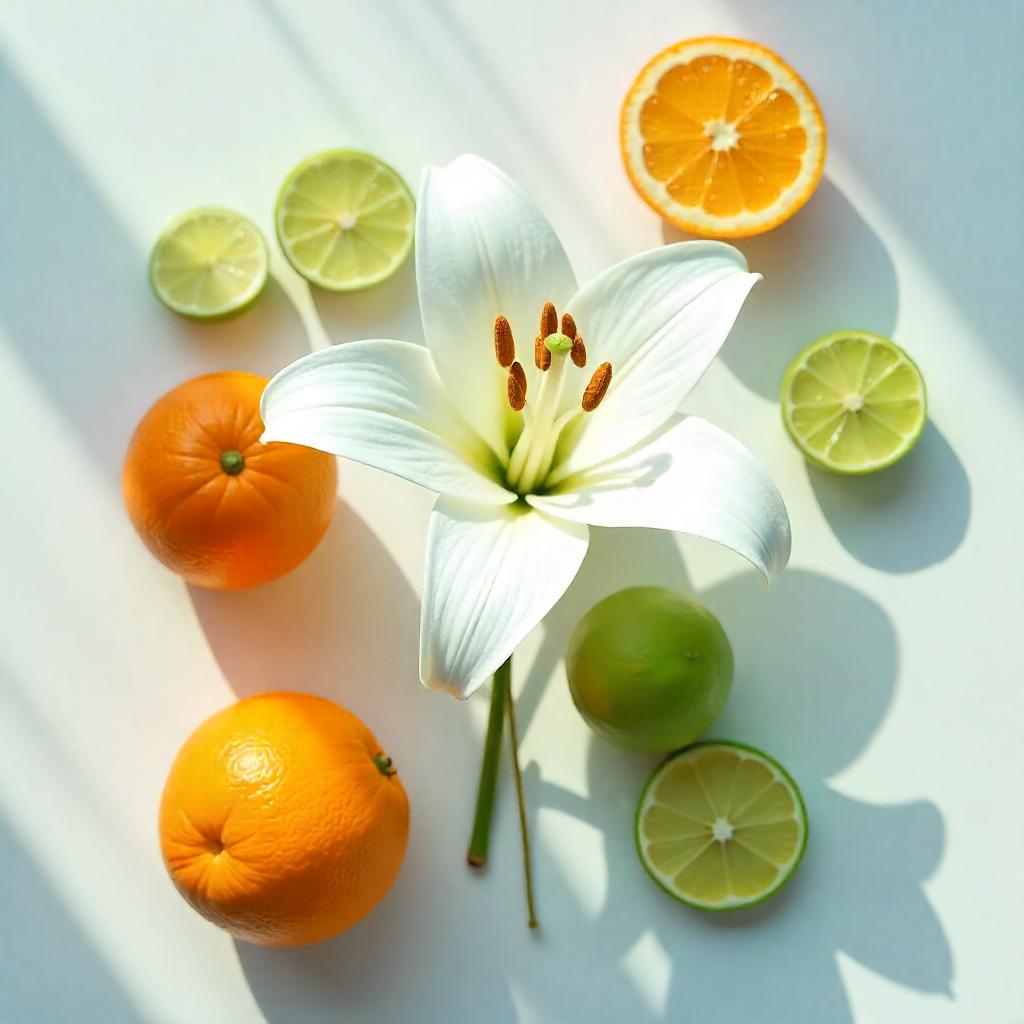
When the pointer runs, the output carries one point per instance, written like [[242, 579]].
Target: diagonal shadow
[[889, 132], [95, 343], [491, 110], [49, 940], [307, 65]]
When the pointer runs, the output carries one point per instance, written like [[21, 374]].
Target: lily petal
[[483, 249], [659, 318], [691, 478], [381, 403], [491, 575]]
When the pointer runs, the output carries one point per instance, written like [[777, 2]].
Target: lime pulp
[[721, 826], [345, 220], [209, 264], [853, 402]]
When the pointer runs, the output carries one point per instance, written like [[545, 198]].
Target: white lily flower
[[532, 436]]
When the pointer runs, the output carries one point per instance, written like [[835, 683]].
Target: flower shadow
[[824, 270], [816, 668]]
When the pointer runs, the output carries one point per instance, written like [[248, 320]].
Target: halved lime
[[854, 402], [209, 264], [721, 826], [345, 220]]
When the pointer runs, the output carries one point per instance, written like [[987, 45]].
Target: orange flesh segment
[[678, 150]]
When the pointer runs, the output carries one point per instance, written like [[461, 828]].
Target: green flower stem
[[524, 831], [478, 843]]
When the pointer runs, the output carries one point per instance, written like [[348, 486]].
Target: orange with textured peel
[[282, 820], [212, 502], [722, 137]]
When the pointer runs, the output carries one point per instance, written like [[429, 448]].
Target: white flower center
[[553, 352]]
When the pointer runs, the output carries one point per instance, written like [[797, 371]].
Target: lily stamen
[[568, 326], [541, 355], [597, 388], [504, 343], [517, 371], [516, 387], [548, 320], [579, 351]]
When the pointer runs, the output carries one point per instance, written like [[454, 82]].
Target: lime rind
[[345, 220], [784, 874], [889, 419], [209, 264]]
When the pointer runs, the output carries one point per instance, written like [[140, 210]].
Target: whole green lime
[[649, 669]]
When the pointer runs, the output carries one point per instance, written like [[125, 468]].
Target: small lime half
[[345, 220], [853, 402], [209, 264], [721, 826]]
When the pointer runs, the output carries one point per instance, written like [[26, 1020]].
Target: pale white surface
[[883, 668]]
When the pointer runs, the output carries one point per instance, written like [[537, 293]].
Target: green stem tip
[[232, 462], [524, 831]]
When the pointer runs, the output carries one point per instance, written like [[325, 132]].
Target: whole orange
[[282, 820], [210, 501]]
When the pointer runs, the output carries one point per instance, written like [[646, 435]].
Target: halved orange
[[722, 137]]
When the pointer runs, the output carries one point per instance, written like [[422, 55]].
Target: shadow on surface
[[388, 310], [823, 270], [52, 972], [816, 668], [307, 65], [890, 134], [319, 630], [80, 311], [869, 515], [269, 335]]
